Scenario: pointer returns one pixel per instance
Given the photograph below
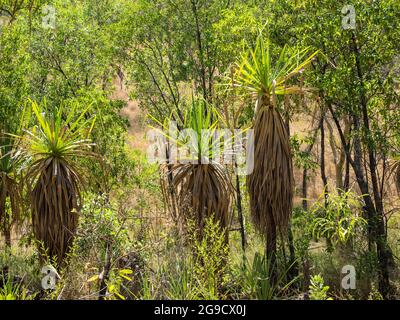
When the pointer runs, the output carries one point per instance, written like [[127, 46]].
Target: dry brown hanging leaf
[[54, 199], [203, 191], [271, 182]]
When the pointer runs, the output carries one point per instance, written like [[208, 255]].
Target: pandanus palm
[[201, 183], [54, 145], [270, 184]]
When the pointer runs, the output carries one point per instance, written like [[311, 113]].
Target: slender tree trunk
[[106, 272], [169, 193], [304, 188], [201, 51], [324, 177], [322, 160], [346, 183], [294, 270], [240, 210], [339, 159], [305, 170], [7, 236]]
